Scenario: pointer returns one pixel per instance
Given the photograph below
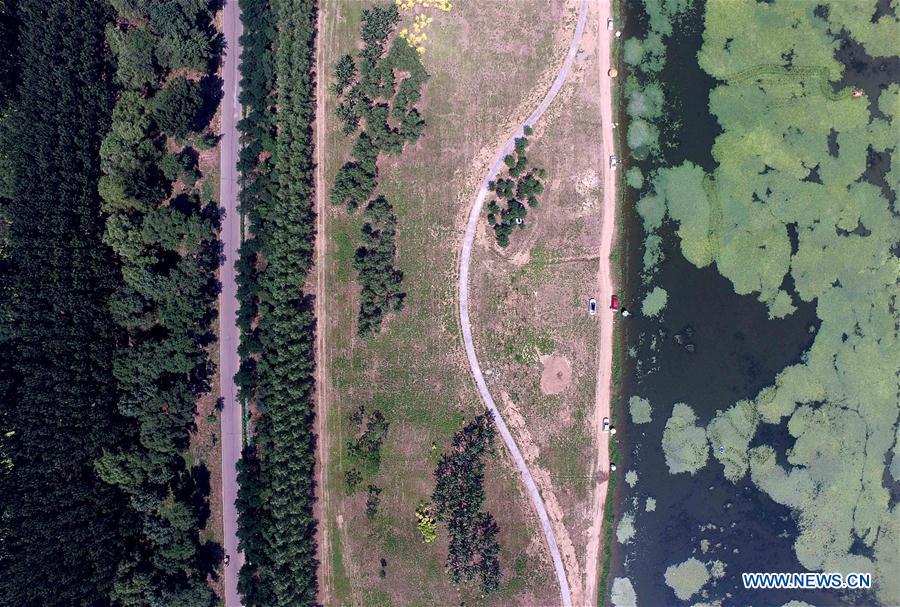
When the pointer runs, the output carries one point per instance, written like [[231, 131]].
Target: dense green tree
[[175, 107], [384, 107], [63, 530], [134, 48], [526, 187], [344, 74], [277, 528], [374, 261], [473, 551], [166, 245]]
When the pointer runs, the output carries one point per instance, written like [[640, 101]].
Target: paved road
[[465, 261], [228, 331], [605, 316]]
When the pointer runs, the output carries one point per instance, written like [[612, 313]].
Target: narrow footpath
[[229, 337], [463, 287]]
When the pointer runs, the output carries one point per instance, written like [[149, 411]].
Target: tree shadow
[[211, 94]]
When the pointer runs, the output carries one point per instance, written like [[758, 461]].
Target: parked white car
[[609, 24], [592, 306], [613, 162], [606, 424]]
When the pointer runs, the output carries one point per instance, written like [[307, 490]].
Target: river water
[[737, 351]]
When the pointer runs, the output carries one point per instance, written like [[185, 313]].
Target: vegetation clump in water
[[684, 443], [640, 410], [730, 434], [655, 302], [792, 212], [623, 594], [625, 531], [631, 477], [687, 578]]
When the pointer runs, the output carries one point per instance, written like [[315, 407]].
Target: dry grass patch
[[414, 370], [530, 301]]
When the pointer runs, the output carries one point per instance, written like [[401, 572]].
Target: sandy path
[[606, 316], [324, 547], [230, 235], [463, 286]]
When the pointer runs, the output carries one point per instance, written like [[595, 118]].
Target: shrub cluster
[[458, 497], [371, 99], [277, 491], [164, 236], [364, 449], [520, 185], [374, 262]]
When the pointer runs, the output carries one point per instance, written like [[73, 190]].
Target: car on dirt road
[[592, 306], [613, 162], [606, 424], [609, 24]]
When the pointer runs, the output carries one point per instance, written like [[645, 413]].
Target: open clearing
[[414, 371], [535, 340]]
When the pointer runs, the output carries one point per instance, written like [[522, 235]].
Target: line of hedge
[[277, 490]]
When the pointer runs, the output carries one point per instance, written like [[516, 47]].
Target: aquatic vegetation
[[682, 192], [625, 531], [631, 477], [643, 138], [648, 56], [640, 410], [730, 434], [634, 178], [895, 460], [646, 101], [653, 256], [650, 506], [687, 578], [654, 302], [652, 210], [623, 594], [684, 443], [793, 157]]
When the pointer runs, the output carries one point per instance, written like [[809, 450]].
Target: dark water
[[737, 352]]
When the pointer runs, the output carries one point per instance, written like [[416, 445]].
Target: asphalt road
[[229, 336], [465, 261]]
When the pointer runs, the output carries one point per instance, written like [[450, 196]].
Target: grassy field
[[484, 59], [530, 318]]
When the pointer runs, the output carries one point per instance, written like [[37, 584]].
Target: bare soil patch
[[557, 374]]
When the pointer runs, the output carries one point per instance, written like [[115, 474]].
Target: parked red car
[[614, 304]]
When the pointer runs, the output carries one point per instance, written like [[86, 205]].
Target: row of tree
[[276, 525], [163, 236], [372, 100], [517, 187], [473, 552]]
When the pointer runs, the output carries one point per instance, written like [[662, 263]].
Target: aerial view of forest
[[475, 303]]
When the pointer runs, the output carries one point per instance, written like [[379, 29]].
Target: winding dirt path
[[606, 316], [463, 287]]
